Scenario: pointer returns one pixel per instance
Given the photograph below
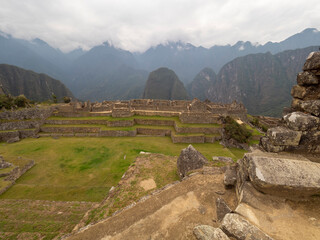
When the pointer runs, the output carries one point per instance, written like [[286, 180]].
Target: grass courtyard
[[84, 169]]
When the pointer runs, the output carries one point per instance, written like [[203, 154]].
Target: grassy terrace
[[84, 169], [109, 118]]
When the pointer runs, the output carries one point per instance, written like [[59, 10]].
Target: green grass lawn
[[84, 169]]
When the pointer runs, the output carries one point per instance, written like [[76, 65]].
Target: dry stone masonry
[[301, 130]]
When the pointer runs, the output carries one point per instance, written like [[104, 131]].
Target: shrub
[[66, 99], [236, 131], [54, 98], [6, 101], [21, 101]]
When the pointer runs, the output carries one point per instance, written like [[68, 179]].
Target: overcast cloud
[[139, 24]]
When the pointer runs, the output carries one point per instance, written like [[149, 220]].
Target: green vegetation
[[255, 122], [236, 131], [9, 102], [84, 169]]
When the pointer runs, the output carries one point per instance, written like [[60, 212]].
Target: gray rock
[[306, 92], [190, 159], [281, 136], [227, 160], [307, 78], [222, 208], [230, 176], [299, 121], [4, 164], [205, 232], [282, 176], [12, 140], [312, 61], [311, 106], [269, 147], [308, 106], [236, 226]]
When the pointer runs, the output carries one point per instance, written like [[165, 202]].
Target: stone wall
[[113, 133], [205, 130], [15, 125], [74, 121], [27, 113], [15, 174], [149, 107], [120, 123], [154, 122], [301, 130], [154, 132], [190, 117], [187, 139]]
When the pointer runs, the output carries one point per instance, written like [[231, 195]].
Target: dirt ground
[[170, 214]]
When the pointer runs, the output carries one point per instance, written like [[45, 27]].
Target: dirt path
[[171, 214]]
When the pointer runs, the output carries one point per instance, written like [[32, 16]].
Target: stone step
[[281, 175]]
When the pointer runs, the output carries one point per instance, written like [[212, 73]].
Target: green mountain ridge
[[262, 82], [36, 87], [163, 83]]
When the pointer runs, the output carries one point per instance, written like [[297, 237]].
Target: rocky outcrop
[[205, 232], [302, 126], [190, 159], [238, 227]]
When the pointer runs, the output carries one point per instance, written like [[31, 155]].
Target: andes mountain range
[[108, 73]]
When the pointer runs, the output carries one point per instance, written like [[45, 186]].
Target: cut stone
[[311, 106], [307, 78], [281, 176], [269, 147], [298, 91], [206, 232], [301, 122], [312, 62], [230, 176], [238, 227], [190, 159], [222, 208], [281, 136]]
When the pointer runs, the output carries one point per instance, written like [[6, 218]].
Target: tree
[[66, 99], [54, 98]]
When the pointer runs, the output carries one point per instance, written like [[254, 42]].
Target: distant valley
[[244, 71]]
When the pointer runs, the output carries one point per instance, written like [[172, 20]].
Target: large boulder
[[269, 147], [299, 121], [190, 159], [312, 62], [281, 136], [280, 175], [205, 232], [308, 106], [222, 208], [238, 227], [307, 78]]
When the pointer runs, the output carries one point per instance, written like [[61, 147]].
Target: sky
[[136, 25]]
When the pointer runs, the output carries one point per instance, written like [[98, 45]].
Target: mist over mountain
[[163, 83], [107, 72], [37, 87], [262, 82]]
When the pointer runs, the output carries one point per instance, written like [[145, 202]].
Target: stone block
[[281, 136], [299, 121], [312, 62], [269, 147], [222, 209], [283, 176], [311, 106], [307, 78], [190, 159], [230, 176], [205, 232], [238, 227]]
